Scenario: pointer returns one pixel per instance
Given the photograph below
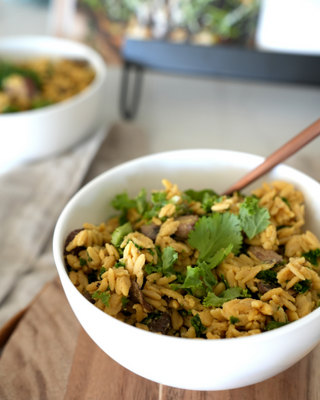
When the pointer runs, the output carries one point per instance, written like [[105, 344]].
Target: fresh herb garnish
[[197, 324], [268, 276], [212, 300], [124, 301], [89, 258], [312, 256], [233, 320], [302, 286], [102, 271], [82, 261], [274, 325], [119, 264], [104, 297], [254, 219]]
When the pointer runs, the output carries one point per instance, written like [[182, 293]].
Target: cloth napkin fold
[[31, 200]]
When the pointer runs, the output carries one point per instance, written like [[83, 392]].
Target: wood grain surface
[[49, 356]]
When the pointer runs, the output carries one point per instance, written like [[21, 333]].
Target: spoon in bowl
[[291, 147]]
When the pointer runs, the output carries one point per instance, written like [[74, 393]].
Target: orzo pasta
[[198, 265]]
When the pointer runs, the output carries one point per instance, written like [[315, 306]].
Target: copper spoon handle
[[278, 156]]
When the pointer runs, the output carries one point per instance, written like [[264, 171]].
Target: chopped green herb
[[233, 320], [212, 300], [224, 281], [102, 271], [89, 258], [119, 264], [285, 200], [141, 201], [312, 256], [124, 301], [254, 219], [214, 233], [197, 324], [82, 261], [274, 325], [268, 276], [151, 317], [104, 297], [302, 286]]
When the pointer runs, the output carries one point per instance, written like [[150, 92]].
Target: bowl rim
[[92, 88], [59, 262]]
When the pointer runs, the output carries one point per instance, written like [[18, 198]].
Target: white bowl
[[185, 363], [35, 134]]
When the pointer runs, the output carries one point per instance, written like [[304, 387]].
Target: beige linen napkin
[[31, 200]]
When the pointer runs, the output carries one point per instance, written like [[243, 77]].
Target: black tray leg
[[129, 102]]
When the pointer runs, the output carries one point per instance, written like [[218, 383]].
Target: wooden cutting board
[[49, 356]]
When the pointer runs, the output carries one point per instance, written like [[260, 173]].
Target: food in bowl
[[194, 264], [37, 83]]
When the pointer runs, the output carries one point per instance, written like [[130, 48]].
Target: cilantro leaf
[[302, 286], [123, 202], [214, 233], [268, 276], [102, 271], [169, 257], [124, 301], [233, 320], [274, 325], [119, 264], [225, 281], [254, 219], [312, 256], [197, 324], [141, 201], [104, 297], [206, 197], [154, 315], [158, 200], [82, 261], [229, 294], [120, 233], [192, 280]]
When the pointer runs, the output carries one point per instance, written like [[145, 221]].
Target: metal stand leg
[[129, 103]]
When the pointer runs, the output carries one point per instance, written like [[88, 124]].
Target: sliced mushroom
[[265, 287], [88, 296], [69, 239], [138, 297], [150, 230], [265, 255], [160, 324], [187, 223]]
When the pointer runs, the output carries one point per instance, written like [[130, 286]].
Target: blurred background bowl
[[184, 363], [36, 134]]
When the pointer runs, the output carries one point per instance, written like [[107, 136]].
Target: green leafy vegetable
[[169, 257], [124, 301], [254, 219], [302, 286], [285, 200], [268, 276], [312, 256], [89, 258], [206, 197], [151, 317], [197, 324], [102, 271], [119, 264], [141, 201], [104, 297], [224, 281], [212, 300], [274, 325], [233, 320], [120, 233], [215, 233], [82, 261]]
